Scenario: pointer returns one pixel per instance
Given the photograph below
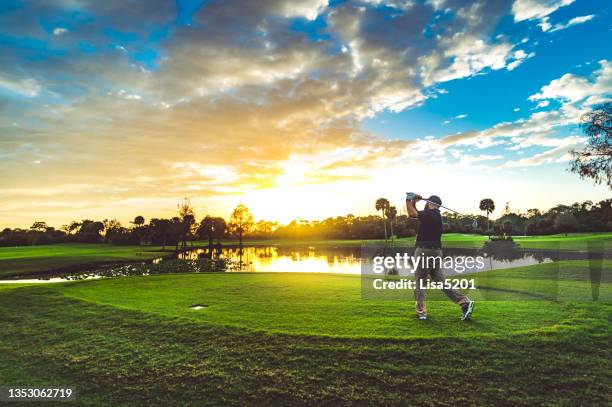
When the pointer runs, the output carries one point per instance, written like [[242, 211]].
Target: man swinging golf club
[[428, 244]]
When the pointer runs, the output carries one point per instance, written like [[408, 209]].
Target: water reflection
[[343, 260], [349, 260]]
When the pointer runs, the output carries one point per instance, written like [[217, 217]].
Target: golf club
[[411, 195]]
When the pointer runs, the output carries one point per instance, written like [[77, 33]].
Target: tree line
[[183, 229]]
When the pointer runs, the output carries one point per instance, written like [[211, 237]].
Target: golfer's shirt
[[430, 229]]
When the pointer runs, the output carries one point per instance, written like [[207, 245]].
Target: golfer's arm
[[412, 212]]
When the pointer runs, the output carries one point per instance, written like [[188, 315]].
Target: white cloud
[[557, 154], [472, 55], [541, 10], [59, 31], [546, 26], [398, 4], [519, 56], [576, 95], [23, 86], [536, 9], [122, 93], [461, 116], [574, 88], [308, 9]]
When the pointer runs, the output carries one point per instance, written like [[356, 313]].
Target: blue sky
[[299, 109]]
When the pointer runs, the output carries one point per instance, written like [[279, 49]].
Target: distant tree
[[138, 234], [488, 206], [566, 222], [507, 209], [176, 231], [39, 226], [533, 213], [90, 231], [207, 230], [595, 160], [220, 228], [73, 227], [112, 229], [382, 205], [138, 221], [160, 231], [264, 228], [241, 222], [187, 218], [391, 214], [507, 228], [586, 205]]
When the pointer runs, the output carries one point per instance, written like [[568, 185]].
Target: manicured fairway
[[31, 259], [316, 304], [309, 339]]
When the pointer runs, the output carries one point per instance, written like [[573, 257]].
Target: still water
[[320, 259], [344, 260]]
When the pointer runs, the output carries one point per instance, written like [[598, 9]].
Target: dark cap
[[435, 199]]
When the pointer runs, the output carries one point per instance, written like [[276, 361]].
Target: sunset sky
[[298, 109]]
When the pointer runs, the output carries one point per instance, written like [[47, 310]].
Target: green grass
[[573, 241], [308, 339], [25, 260], [299, 303]]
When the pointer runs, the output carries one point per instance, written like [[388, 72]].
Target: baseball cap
[[435, 199]]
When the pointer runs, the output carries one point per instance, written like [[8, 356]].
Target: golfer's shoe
[[467, 310], [422, 317]]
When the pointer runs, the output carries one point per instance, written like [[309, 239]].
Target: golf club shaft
[[442, 206]]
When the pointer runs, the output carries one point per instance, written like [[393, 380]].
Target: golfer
[[428, 244]]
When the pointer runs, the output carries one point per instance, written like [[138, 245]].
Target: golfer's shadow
[[595, 252]]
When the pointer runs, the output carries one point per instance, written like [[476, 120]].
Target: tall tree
[[241, 222], [487, 205], [566, 222], [595, 160], [39, 226], [176, 231], [160, 231], [220, 227], [391, 215], [382, 205], [73, 227], [533, 213], [139, 221], [187, 220], [112, 228], [207, 230]]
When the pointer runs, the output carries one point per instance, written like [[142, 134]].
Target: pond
[[344, 260], [320, 259]]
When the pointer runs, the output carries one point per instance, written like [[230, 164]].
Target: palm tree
[[382, 205], [139, 221], [391, 214], [487, 205]]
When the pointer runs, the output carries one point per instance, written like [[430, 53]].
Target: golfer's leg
[[420, 274], [438, 275]]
